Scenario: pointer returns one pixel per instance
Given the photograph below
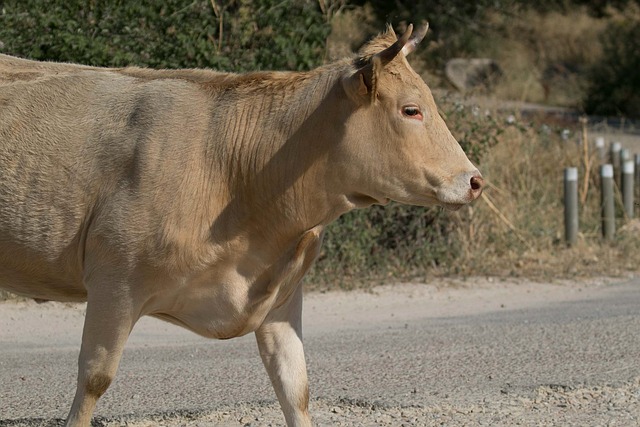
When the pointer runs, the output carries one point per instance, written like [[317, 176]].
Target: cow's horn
[[416, 39], [392, 51]]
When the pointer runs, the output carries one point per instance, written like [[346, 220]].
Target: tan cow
[[201, 197]]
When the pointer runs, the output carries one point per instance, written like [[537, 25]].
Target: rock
[[473, 73]]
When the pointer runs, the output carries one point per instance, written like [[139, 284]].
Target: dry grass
[[544, 56], [517, 228], [350, 28]]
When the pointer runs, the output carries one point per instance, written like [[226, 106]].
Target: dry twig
[[586, 160], [220, 15], [504, 219]]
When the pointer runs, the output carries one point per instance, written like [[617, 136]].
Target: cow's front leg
[[280, 343], [108, 322]]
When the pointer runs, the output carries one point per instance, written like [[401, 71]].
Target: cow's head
[[395, 135]]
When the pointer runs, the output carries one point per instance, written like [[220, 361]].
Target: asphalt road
[[422, 352]]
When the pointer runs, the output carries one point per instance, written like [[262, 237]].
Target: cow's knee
[[97, 384], [90, 387]]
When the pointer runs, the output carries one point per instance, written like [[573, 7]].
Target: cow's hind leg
[[280, 343], [107, 325]]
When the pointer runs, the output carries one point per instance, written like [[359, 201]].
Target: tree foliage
[[234, 35], [615, 81]]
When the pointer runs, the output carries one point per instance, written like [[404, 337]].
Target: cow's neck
[[276, 148]]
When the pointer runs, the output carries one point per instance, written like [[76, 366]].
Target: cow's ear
[[364, 82], [362, 86], [355, 87]]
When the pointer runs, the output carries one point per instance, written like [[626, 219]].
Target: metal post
[[616, 147], [627, 187], [608, 207], [600, 148], [571, 205], [637, 173], [625, 155]]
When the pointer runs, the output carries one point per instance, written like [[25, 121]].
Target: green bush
[[614, 87], [235, 35]]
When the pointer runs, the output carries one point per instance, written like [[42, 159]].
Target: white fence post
[[600, 148], [636, 159], [608, 206], [571, 205], [616, 147], [627, 187]]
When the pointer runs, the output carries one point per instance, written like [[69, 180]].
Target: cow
[[201, 197]]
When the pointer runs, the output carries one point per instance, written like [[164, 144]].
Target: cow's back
[[81, 147]]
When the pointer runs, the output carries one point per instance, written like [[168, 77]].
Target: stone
[[473, 73]]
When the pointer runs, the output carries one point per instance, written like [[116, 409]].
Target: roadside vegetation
[[569, 53]]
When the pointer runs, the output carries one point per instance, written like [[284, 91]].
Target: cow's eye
[[412, 112]]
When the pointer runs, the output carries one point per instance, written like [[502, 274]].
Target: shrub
[[614, 82], [235, 35]]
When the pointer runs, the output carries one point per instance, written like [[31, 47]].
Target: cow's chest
[[234, 298]]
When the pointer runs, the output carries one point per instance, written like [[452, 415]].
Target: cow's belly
[[230, 308], [28, 273], [42, 288], [43, 284]]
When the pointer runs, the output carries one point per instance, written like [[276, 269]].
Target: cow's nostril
[[476, 183]]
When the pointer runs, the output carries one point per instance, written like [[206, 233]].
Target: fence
[[619, 181]]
